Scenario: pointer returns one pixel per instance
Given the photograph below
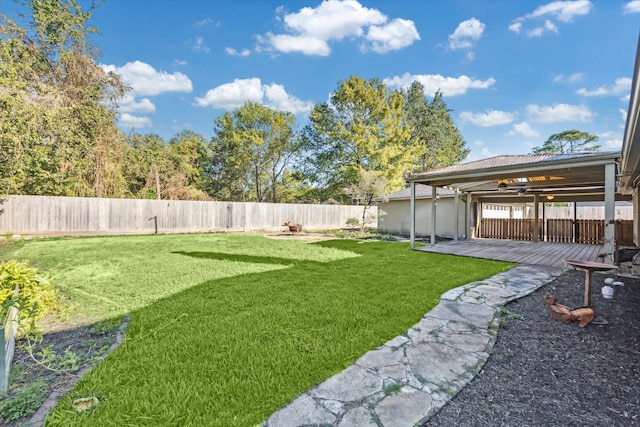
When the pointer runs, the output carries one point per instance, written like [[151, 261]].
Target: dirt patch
[[544, 372], [307, 237], [45, 370]]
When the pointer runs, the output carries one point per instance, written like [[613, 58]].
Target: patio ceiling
[[504, 179]]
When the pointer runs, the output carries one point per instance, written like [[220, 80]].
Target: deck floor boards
[[540, 253]]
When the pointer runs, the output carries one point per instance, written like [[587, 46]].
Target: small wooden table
[[589, 267]]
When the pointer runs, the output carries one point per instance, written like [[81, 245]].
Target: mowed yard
[[225, 328]]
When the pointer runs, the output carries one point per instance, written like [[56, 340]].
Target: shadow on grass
[[219, 256]]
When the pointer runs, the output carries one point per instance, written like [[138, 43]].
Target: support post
[[456, 206], [536, 216], [576, 228], [412, 214], [609, 211], [434, 195], [479, 209], [469, 218]]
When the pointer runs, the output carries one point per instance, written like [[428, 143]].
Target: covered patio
[[535, 179]]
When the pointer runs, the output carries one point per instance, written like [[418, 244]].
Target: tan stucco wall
[[395, 217]]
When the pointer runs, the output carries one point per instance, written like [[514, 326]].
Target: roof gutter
[[630, 166]]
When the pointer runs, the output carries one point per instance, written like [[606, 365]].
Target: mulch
[[544, 372]]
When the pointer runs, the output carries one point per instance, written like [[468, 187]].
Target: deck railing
[[589, 231]]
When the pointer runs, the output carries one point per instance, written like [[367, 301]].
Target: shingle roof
[[508, 160]]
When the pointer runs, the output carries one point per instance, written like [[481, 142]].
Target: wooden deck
[[539, 253]]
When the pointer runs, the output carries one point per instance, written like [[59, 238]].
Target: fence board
[[45, 215], [7, 345]]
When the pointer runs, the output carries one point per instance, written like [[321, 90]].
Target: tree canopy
[[432, 128], [59, 133], [569, 141], [362, 128]]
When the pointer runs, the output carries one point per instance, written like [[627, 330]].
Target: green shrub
[[26, 402], [354, 222], [36, 296]]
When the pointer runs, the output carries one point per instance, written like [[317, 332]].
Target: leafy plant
[[392, 389], [35, 297], [24, 403], [505, 312]]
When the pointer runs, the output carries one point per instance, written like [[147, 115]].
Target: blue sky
[[513, 72]]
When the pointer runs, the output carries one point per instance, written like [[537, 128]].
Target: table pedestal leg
[[587, 288]]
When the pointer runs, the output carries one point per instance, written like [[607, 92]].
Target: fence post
[[7, 344]]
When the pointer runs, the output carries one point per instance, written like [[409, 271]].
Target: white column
[[456, 206], [469, 219], [636, 217], [434, 195], [412, 215], [609, 211], [536, 216]]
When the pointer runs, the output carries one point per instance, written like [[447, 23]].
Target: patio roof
[[563, 177], [630, 164]]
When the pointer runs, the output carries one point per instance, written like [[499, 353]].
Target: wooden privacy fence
[[590, 231], [45, 215]]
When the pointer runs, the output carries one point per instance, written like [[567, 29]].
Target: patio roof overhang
[[507, 179], [630, 164]]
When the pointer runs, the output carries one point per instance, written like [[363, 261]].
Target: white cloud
[[129, 121], [575, 77], [146, 80], [632, 7], [611, 140], [539, 31], [128, 104], [199, 46], [466, 34], [310, 30], [488, 119], [233, 95], [559, 113], [202, 23], [395, 35], [286, 43], [620, 86], [231, 51], [563, 11], [180, 62], [516, 27], [623, 114], [449, 86], [524, 129], [282, 101]]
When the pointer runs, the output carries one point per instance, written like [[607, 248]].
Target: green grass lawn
[[225, 329]]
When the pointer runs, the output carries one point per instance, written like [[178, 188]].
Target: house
[[394, 213]]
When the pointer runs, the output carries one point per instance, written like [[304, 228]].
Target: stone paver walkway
[[406, 380]]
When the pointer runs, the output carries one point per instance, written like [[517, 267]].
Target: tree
[[369, 187], [58, 123], [251, 149], [187, 152], [569, 141], [433, 129], [361, 129]]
